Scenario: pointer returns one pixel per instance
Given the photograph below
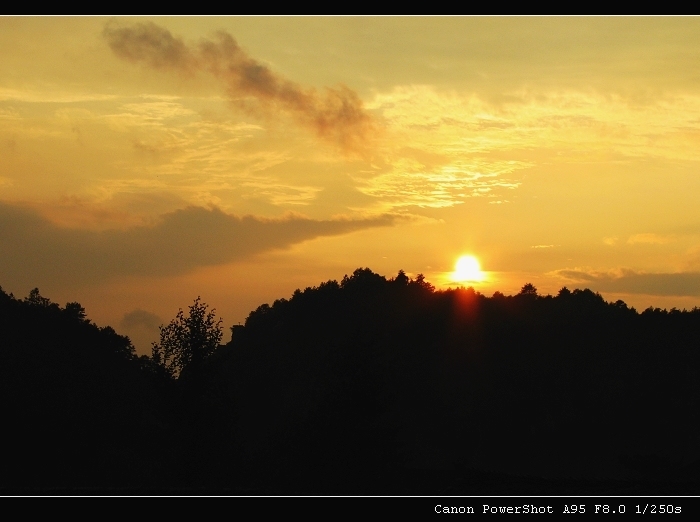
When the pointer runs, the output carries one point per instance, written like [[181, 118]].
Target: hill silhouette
[[78, 406], [369, 385], [386, 374]]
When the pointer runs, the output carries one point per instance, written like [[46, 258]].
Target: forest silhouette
[[370, 385]]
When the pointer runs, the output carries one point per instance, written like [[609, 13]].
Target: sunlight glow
[[467, 268]]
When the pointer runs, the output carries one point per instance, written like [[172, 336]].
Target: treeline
[[371, 371], [367, 385], [79, 409]]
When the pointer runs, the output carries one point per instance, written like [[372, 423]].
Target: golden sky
[[144, 162]]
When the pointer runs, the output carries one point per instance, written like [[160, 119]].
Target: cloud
[[141, 319], [142, 328], [410, 185], [630, 281], [34, 248], [337, 114], [653, 239]]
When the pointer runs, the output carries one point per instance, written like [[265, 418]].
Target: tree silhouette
[[187, 341], [528, 289], [36, 299], [401, 279], [421, 282]]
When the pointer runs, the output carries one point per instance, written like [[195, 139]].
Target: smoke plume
[[336, 114]]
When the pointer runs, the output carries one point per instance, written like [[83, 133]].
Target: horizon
[[139, 316], [148, 160]]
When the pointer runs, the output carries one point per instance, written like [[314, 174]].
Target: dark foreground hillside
[[367, 386], [78, 408], [376, 374]]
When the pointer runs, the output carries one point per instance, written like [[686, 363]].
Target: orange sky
[[144, 162]]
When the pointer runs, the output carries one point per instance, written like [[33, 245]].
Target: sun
[[467, 268]]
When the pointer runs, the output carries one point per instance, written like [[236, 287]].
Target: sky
[[148, 161]]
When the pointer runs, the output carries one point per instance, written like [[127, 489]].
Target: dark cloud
[[629, 281], [142, 328], [336, 114], [141, 319], [151, 44], [33, 247]]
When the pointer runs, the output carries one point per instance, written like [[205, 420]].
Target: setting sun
[[467, 268], [133, 179], [380, 242]]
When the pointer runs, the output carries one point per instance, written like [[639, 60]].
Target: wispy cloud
[[653, 239], [633, 282], [408, 184], [337, 114], [55, 96]]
